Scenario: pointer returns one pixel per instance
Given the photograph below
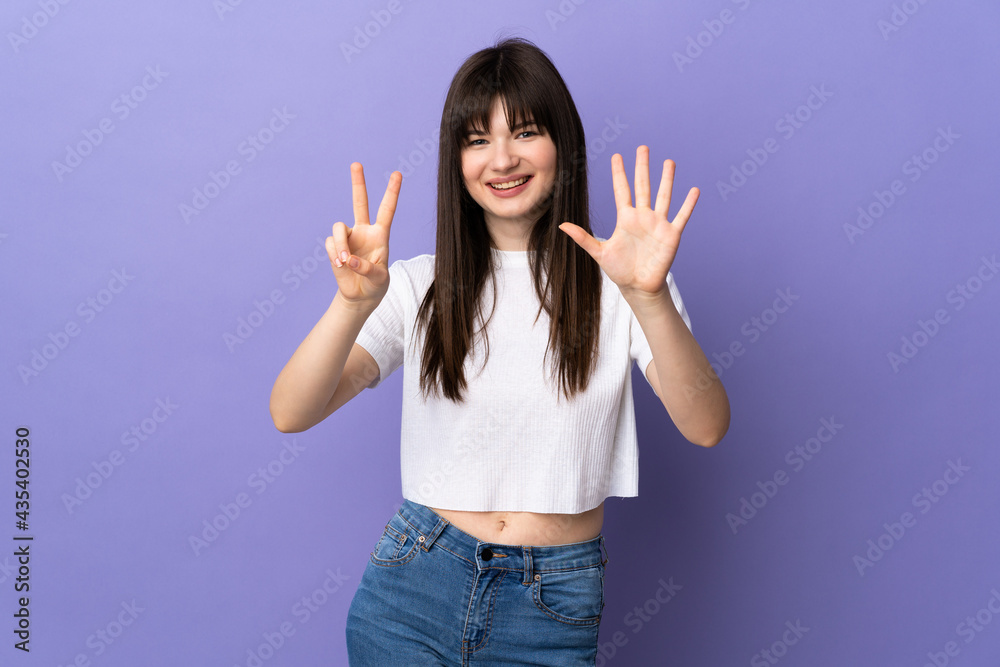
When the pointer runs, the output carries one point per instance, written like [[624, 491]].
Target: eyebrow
[[517, 126]]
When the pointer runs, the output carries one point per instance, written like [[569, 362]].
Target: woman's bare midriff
[[527, 528]]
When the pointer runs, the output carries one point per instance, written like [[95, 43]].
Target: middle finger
[[359, 194], [642, 176]]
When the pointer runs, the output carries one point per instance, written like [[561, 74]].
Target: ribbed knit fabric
[[511, 446]]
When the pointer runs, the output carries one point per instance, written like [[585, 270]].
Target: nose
[[503, 157]]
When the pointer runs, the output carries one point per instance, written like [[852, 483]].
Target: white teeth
[[507, 186]]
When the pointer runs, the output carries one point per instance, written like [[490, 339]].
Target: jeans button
[[487, 553]]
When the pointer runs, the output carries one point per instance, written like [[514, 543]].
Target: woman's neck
[[509, 236]]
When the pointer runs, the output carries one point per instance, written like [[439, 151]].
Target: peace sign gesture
[[642, 248], [359, 255]]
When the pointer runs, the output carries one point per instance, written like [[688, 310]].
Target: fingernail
[[344, 255], [337, 262], [353, 262]]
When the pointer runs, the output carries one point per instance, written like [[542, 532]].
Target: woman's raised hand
[[359, 255], [642, 248]]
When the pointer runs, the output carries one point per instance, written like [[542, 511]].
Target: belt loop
[[437, 530], [605, 548], [527, 565]]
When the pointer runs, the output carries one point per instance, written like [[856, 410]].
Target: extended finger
[[387, 209], [359, 194], [582, 238], [686, 209], [666, 188], [619, 181], [642, 176]]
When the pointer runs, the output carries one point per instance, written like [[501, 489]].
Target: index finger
[[623, 196], [665, 192], [387, 209], [359, 194]]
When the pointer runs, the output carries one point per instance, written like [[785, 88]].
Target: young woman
[[517, 339]]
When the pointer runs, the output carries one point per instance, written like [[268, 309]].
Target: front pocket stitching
[[568, 620], [400, 539], [393, 534], [396, 562]]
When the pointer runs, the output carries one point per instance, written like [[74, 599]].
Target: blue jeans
[[432, 594]]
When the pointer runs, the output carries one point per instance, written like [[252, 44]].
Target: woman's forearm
[[307, 382], [701, 416]]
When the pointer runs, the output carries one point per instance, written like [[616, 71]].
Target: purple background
[[164, 335]]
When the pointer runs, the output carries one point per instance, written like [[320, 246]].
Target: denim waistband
[[435, 529]]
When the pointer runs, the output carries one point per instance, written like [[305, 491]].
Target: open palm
[[644, 244]]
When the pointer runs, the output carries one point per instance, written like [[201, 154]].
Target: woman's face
[[509, 174]]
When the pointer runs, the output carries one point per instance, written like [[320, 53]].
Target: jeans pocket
[[397, 545], [574, 597]]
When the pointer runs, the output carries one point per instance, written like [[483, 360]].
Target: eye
[[474, 137], [530, 133]]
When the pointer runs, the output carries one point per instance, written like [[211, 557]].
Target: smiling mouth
[[510, 184]]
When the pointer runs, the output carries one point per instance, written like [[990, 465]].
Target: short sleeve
[[382, 333], [639, 346]]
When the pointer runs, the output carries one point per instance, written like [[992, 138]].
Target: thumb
[[582, 238]]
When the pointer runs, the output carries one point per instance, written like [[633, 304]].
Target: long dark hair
[[566, 279]]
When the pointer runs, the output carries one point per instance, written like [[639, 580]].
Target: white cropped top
[[511, 446]]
